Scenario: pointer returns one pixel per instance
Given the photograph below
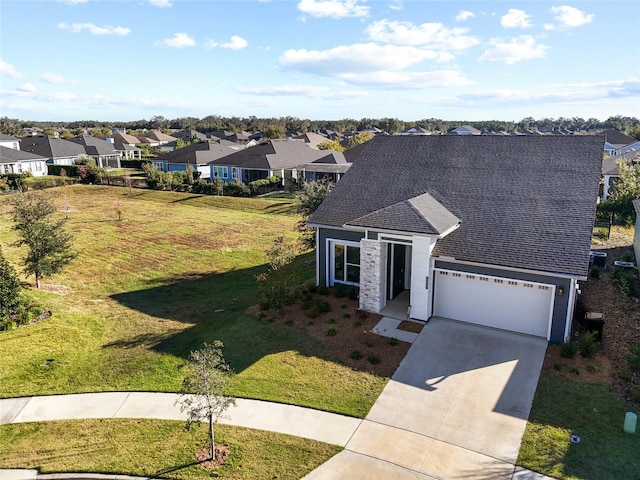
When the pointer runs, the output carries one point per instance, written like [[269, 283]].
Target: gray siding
[[324, 234], [560, 306]]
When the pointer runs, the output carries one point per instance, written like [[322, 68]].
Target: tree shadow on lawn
[[214, 305]]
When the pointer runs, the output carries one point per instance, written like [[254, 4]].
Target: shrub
[[323, 307], [352, 293], [626, 281], [373, 359], [568, 349], [393, 342], [236, 189], [557, 366], [323, 290], [356, 355], [312, 312], [346, 315], [339, 292], [357, 322], [331, 320], [591, 368], [331, 332], [312, 287], [633, 359], [595, 271], [588, 345], [574, 370]]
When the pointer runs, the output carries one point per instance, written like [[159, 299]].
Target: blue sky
[[318, 59]]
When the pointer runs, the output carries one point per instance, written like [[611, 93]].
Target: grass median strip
[[156, 448]]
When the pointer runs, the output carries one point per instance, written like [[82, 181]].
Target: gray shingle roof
[[199, 153], [95, 146], [273, 155], [523, 201], [11, 155], [51, 147]]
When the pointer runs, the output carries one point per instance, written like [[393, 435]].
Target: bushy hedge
[[265, 185], [13, 181], [69, 170]]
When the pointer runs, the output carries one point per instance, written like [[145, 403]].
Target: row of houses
[[240, 156]]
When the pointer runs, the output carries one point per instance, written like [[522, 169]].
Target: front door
[[398, 265]]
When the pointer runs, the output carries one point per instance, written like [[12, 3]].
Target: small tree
[[48, 243], [331, 145], [9, 289], [310, 197], [276, 283], [204, 393]]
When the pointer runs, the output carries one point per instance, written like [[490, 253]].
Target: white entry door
[[515, 305]]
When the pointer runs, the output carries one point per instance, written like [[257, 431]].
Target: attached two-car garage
[[505, 303]]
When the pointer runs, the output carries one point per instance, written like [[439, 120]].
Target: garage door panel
[[495, 302]]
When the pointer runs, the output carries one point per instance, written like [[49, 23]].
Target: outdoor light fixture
[[560, 291]]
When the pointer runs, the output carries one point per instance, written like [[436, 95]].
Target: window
[[234, 172], [222, 172], [345, 263]]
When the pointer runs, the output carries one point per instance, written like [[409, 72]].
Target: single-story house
[[104, 153], [16, 161], [491, 230], [636, 234], [331, 166], [56, 150], [196, 156], [273, 158]]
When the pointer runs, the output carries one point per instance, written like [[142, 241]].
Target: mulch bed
[[621, 327], [345, 331], [203, 456]]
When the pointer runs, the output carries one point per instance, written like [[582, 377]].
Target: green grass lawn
[[157, 449], [178, 270], [563, 407]]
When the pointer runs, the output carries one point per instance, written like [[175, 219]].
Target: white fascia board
[[511, 269]]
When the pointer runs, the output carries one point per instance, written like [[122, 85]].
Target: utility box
[[594, 322]]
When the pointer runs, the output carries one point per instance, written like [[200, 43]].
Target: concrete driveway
[[456, 408]]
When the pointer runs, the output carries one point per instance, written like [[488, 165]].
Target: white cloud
[[570, 17], [333, 8], [27, 87], [95, 29], [179, 40], [363, 57], [236, 43], [302, 90], [515, 50], [160, 3], [515, 18], [409, 80], [52, 78], [396, 5], [6, 69], [464, 15], [434, 35]]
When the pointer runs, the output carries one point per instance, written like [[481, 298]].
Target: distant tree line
[[628, 125]]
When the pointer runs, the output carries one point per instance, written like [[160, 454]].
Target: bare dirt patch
[[204, 456], [408, 326], [344, 330]]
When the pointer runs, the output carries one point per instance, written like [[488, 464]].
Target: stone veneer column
[[372, 272]]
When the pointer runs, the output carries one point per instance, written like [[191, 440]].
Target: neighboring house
[[610, 171], [197, 156], [104, 153], [188, 136], [121, 138], [636, 235], [415, 131], [311, 139], [56, 150], [330, 167], [9, 142], [618, 143], [274, 158], [156, 138], [491, 230], [465, 130], [13, 160]]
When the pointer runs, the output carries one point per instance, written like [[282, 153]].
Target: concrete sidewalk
[[276, 417]]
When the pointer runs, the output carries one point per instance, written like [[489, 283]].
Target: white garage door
[[524, 307]]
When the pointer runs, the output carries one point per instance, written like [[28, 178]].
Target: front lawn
[[157, 449], [178, 270]]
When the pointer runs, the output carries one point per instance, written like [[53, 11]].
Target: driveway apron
[[456, 408]]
